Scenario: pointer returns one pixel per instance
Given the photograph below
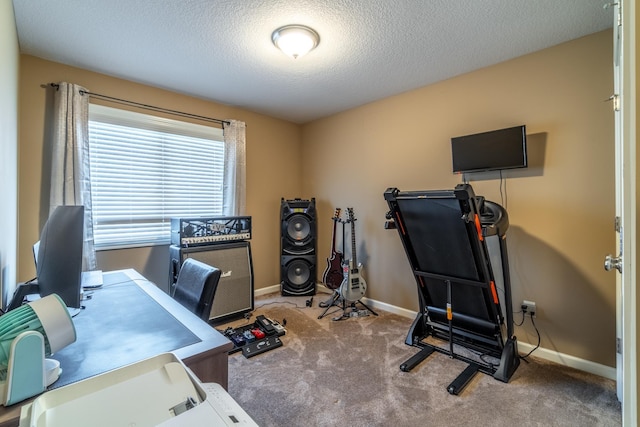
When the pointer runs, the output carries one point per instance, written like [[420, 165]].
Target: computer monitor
[[59, 268], [58, 258]]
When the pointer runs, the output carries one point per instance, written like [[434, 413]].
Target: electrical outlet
[[529, 307]]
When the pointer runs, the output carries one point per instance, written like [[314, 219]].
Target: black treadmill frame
[[479, 332]]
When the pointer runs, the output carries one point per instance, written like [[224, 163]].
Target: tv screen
[[59, 258], [494, 150]]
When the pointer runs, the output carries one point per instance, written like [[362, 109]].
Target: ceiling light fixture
[[295, 40]]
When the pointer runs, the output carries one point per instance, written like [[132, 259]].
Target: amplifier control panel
[[187, 232]]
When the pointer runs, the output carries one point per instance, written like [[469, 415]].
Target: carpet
[[347, 373]]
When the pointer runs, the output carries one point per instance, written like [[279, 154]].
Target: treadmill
[[456, 246]]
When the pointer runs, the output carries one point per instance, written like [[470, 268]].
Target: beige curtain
[[234, 191], [70, 173]]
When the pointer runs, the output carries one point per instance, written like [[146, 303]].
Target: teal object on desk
[[28, 334]]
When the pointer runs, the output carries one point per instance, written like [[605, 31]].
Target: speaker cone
[[298, 228], [298, 272]]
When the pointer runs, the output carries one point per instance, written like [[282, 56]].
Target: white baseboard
[[374, 304], [524, 348], [568, 360], [267, 290], [276, 288]]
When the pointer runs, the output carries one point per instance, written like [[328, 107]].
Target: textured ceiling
[[221, 50]]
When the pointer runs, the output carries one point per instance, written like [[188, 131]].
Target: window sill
[[118, 246]]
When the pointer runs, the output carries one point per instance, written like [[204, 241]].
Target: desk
[[130, 319]]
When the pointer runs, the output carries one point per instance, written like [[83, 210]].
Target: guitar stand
[[333, 301], [337, 301], [354, 312]]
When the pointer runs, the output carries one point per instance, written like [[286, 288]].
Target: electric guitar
[[332, 276], [353, 285]]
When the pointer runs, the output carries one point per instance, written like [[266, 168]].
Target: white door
[[625, 180]]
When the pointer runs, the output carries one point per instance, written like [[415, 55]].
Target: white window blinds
[[146, 170]]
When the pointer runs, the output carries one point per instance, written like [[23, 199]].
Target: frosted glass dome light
[[295, 40]]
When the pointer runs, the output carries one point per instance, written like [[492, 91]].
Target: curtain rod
[[149, 107]]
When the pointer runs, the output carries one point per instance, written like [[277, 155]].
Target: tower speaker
[[298, 244], [234, 295]]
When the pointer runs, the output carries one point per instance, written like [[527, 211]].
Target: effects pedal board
[[258, 347], [255, 338]]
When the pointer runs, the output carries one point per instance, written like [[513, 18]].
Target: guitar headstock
[[350, 215], [336, 214]]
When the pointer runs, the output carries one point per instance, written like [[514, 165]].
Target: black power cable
[[538, 344]]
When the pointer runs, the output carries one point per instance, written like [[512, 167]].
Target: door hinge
[[619, 4], [618, 10], [615, 99], [618, 224], [619, 345]]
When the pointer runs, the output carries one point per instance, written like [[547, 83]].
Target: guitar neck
[[333, 236], [353, 248], [353, 239]]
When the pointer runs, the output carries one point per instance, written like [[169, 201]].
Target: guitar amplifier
[[234, 295], [188, 232]]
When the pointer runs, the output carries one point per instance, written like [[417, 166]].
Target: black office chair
[[196, 287]]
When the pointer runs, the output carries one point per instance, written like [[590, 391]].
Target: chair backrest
[[196, 287]]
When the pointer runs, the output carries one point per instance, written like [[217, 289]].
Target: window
[[146, 170]]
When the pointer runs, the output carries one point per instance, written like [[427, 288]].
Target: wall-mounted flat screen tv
[[494, 150]]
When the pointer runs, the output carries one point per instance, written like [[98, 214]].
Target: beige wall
[[273, 168], [561, 208], [8, 148]]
